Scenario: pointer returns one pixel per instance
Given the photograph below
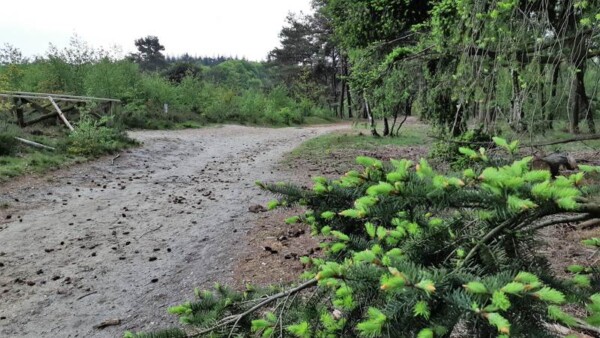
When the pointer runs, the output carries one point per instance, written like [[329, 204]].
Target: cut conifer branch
[[236, 318]]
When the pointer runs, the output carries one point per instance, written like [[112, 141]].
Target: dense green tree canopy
[[358, 23]]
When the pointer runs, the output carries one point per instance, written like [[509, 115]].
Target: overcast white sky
[[246, 28]]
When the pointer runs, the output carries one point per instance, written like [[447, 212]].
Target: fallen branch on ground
[[592, 223], [542, 144], [147, 232], [569, 140], [34, 144], [551, 222], [114, 158], [87, 294], [484, 143]]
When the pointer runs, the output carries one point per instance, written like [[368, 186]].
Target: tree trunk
[[334, 77], [349, 101], [578, 98], [580, 103], [346, 86], [584, 101], [456, 129], [475, 107], [574, 107], [541, 97], [407, 113], [395, 111], [555, 74], [488, 113], [590, 120], [386, 127], [371, 119], [482, 116], [365, 113], [342, 98], [516, 110]]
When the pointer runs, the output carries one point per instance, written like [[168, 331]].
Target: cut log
[[62, 116], [34, 144], [554, 163]]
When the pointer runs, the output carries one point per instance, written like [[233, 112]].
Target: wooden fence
[[31, 108]]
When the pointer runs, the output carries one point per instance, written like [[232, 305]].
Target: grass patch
[[33, 162], [189, 125], [8, 144], [89, 140], [359, 139], [28, 161], [313, 120]]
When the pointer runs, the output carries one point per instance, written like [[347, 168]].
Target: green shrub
[[252, 106], [412, 252], [111, 79], [290, 115], [189, 95], [157, 91], [8, 144], [94, 138], [272, 116], [144, 104], [224, 107], [447, 150]]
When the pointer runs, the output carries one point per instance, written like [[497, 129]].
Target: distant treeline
[[200, 60]]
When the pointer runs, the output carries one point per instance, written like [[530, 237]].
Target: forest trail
[[126, 238]]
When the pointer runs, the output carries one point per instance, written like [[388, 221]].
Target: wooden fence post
[[60, 113]]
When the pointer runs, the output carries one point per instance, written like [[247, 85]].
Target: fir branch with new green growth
[[413, 252]]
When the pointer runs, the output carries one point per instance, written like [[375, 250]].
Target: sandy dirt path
[[125, 240]]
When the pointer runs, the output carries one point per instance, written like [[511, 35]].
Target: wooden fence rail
[[55, 106]]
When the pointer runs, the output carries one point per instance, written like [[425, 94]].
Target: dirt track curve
[[125, 240]]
